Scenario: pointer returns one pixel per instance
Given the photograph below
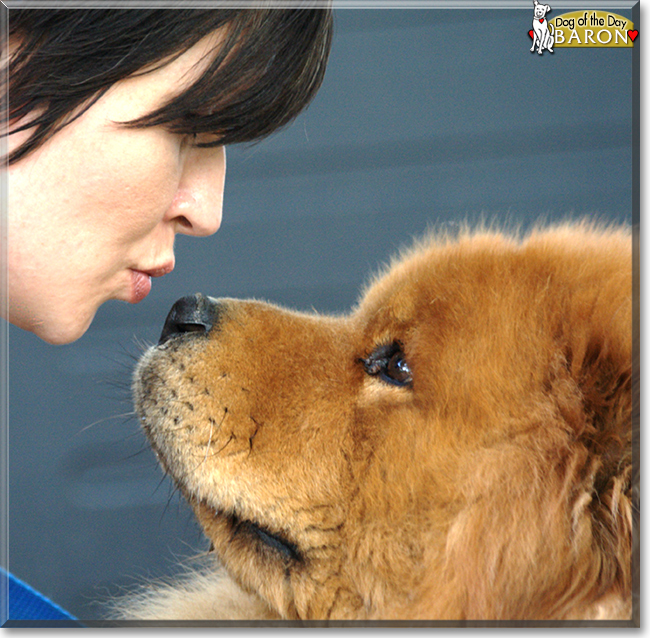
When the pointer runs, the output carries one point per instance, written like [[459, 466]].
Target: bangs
[[265, 72], [267, 69]]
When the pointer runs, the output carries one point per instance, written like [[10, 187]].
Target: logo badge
[[592, 28]]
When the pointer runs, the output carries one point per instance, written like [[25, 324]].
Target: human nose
[[198, 202]]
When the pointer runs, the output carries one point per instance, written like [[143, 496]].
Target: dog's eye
[[397, 371], [389, 364]]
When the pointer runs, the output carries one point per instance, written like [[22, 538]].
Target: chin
[[63, 331]]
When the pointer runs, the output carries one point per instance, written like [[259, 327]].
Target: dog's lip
[[286, 548], [241, 525]]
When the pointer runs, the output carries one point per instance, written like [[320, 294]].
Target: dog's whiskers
[[207, 447], [209, 443], [142, 344], [126, 416]]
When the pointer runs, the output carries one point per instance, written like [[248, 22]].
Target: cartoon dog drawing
[[543, 35]]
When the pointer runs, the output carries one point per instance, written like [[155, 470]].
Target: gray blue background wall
[[427, 118]]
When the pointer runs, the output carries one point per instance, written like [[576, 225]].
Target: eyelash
[[205, 140], [200, 140]]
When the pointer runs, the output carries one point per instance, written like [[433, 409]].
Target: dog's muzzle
[[192, 314]]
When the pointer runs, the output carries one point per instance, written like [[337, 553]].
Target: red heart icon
[[632, 34], [541, 19], [531, 34]]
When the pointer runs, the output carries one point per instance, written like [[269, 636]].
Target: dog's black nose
[[194, 313]]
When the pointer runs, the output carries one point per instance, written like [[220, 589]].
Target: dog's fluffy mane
[[202, 593]]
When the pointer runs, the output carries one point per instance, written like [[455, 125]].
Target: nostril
[[184, 222], [191, 314], [191, 327]]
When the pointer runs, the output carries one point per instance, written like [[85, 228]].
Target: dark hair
[[269, 67]]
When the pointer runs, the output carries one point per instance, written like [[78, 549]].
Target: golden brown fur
[[497, 485]]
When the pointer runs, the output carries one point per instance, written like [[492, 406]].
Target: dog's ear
[[602, 370], [603, 502], [548, 8]]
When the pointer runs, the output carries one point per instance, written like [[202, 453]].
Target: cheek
[[135, 182]]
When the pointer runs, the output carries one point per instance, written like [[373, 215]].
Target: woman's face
[[94, 211]]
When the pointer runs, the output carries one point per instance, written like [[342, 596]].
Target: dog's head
[[459, 446], [540, 10]]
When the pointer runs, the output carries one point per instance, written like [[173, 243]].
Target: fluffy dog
[[458, 447]]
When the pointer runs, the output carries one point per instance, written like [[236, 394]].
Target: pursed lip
[[140, 284], [157, 271]]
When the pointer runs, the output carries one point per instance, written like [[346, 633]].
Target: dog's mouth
[[259, 534], [230, 532]]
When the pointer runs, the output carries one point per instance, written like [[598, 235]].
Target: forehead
[[151, 88], [444, 284]]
